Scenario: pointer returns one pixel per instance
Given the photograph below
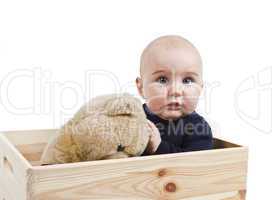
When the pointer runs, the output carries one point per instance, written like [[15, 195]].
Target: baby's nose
[[175, 90]]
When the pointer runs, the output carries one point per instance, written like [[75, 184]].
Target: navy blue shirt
[[188, 133]]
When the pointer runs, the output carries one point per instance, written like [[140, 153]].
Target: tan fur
[[98, 128]]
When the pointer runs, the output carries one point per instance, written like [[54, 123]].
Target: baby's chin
[[165, 113], [172, 114]]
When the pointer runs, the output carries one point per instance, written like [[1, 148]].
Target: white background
[[55, 55]]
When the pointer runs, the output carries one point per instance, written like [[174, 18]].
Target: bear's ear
[[124, 104]]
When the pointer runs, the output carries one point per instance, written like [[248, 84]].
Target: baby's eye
[[188, 80], [162, 80]]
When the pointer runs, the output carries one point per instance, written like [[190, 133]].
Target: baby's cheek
[[190, 106], [190, 101], [156, 99], [156, 103], [154, 106], [155, 93]]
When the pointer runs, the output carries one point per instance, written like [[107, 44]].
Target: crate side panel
[[32, 151], [5, 193], [30, 143], [25, 137], [13, 170], [173, 176]]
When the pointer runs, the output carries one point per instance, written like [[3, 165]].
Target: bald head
[[167, 43]]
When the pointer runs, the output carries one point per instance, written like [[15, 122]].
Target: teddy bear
[[109, 126]]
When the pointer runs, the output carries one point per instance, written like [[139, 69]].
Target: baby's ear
[[125, 104], [139, 84]]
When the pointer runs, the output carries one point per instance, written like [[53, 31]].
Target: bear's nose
[[120, 148]]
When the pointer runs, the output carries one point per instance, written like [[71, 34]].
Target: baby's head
[[170, 77]]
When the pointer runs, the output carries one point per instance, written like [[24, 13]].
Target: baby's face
[[171, 81]]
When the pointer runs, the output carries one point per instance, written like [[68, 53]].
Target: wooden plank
[[32, 152], [29, 136], [236, 195], [172, 176], [2, 193], [13, 170]]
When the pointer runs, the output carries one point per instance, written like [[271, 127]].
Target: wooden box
[[218, 174]]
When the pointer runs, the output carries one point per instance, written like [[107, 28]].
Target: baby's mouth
[[174, 106]]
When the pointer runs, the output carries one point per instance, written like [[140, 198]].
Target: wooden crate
[[218, 174]]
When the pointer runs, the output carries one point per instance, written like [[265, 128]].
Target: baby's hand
[[154, 138]]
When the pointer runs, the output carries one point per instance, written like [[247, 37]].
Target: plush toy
[[107, 127]]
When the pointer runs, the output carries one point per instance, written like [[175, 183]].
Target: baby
[[171, 82]]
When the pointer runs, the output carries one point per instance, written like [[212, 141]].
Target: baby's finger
[[151, 124], [150, 130]]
